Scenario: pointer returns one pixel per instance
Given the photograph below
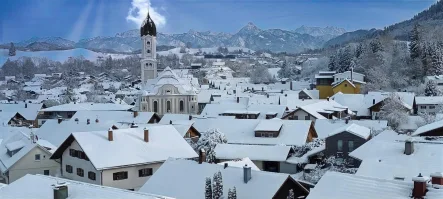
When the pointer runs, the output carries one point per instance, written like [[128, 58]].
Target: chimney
[[135, 114], [347, 120], [373, 101], [437, 178], [60, 190], [88, 121], [190, 117], [290, 85], [409, 147], [26, 105], [96, 120], [170, 121], [201, 156], [238, 100], [262, 88], [327, 98], [59, 120], [226, 165], [246, 173], [146, 135], [110, 135], [419, 190]]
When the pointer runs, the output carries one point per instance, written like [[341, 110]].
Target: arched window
[[148, 42], [182, 106], [155, 106], [168, 106], [149, 51]]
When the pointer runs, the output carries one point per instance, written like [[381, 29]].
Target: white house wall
[[78, 163], [133, 181], [28, 165]]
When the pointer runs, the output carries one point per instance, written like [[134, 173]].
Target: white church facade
[[164, 92]]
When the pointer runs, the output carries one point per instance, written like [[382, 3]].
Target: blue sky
[[78, 19]]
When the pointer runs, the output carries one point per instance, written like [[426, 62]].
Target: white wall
[[347, 75], [421, 108], [302, 114], [78, 163], [28, 165], [133, 182]]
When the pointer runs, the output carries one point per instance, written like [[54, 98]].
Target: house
[[308, 94], [324, 127], [378, 99], [241, 163], [123, 158], [120, 117], [66, 111], [334, 185], [260, 132], [265, 157], [185, 179], [397, 156], [318, 109], [342, 141], [433, 129], [13, 119], [329, 82], [428, 104], [27, 111], [22, 154], [41, 186]]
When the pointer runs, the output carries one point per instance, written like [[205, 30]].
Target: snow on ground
[[57, 55]]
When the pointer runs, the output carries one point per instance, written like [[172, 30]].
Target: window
[[431, 107], [270, 135], [340, 145], [80, 172], [145, 172], [168, 106], [295, 117], [69, 168], [46, 172], [351, 145], [120, 175], [307, 117], [182, 106], [91, 175], [43, 122], [346, 85], [263, 134], [155, 106], [423, 107], [72, 152], [37, 157], [148, 42], [149, 51]]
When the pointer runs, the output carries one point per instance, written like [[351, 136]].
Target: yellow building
[[329, 83], [347, 87]]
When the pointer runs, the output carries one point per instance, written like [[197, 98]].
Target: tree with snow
[[208, 188], [415, 46], [217, 187], [260, 74], [12, 50], [288, 71], [431, 89], [232, 194], [436, 67], [208, 141], [394, 111], [291, 194]]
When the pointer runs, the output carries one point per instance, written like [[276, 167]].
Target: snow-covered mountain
[[250, 36]]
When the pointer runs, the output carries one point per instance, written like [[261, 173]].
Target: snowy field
[[58, 55]]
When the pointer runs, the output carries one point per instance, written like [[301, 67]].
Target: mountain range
[[250, 36]]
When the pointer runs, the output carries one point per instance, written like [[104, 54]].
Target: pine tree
[[431, 89], [359, 50], [414, 46], [230, 194], [345, 59], [12, 50], [376, 45], [208, 188], [332, 62], [234, 193], [291, 194], [437, 60], [220, 182], [216, 186]]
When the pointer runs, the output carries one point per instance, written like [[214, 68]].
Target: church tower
[[148, 33]]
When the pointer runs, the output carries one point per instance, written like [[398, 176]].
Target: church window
[[155, 106], [149, 51], [182, 106], [168, 106], [148, 42]]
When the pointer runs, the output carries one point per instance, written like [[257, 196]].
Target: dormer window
[[268, 128], [14, 147]]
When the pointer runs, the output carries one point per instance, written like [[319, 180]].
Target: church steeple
[[148, 27]]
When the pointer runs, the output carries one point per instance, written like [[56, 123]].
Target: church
[[164, 92]]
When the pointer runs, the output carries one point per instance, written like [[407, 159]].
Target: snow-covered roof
[[277, 153], [28, 111], [184, 85], [383, 157], [355, 129], [116, 116], [321, 106], [355, 102], [214, 110], [325, 126], [167, 117], [428, 127], [241, 131], [305, 157], [429, 100], [241, 163], [129, 148], [41, 186], [89, 107], [179, 178], [334, 185], [269, 125]]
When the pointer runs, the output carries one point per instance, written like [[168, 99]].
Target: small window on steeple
[[149, 43], [149, 51]]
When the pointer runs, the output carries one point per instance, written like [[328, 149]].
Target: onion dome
[[148, 27]]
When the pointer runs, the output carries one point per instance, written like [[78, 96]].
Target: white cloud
[[139, 10]]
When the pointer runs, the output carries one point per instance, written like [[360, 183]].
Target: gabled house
[[342, 141], [428, 104], [27, 111], [323, 109], [181, 179], [21, 154], [378, 99], [329, 83], [123, 158], [433, 129], [325, 127], [334, 185], [41, 186]]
